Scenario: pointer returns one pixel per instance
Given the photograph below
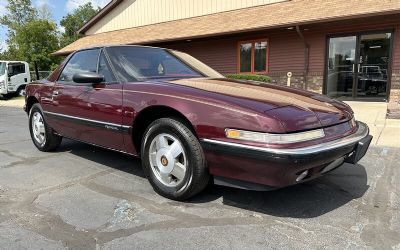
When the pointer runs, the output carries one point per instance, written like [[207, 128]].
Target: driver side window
[[81, 62]]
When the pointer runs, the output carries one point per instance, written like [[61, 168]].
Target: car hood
[[297, 109]]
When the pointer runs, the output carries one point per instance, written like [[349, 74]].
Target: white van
[[14, 75]]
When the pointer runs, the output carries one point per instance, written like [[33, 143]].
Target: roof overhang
[[109, 7], [286, 14]]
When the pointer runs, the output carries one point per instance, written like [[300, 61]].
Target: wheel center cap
[[164, 161]]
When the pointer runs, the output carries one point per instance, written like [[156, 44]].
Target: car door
[[87, 112], [105, 101], [17, 75]]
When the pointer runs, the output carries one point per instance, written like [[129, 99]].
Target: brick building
[[347, 49]]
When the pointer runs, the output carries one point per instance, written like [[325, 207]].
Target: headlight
[[274, 138], [2, 85]]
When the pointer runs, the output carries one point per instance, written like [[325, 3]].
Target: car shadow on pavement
[[306, 200], [109, 158]]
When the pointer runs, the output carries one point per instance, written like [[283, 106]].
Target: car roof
[[119, 45]]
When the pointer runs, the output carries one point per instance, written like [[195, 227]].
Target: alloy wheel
[[168, 159], [38, 129]]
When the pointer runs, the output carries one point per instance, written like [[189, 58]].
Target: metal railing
[[42, 75]]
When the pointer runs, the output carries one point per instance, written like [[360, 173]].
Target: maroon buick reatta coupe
[[189, 124]]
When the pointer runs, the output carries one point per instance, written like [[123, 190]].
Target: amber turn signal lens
[[230, 133]]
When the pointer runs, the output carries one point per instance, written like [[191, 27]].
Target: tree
[[36, 41], [30, 37], [19, 13], [74, 21]]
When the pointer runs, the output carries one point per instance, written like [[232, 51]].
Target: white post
[[289, 76]]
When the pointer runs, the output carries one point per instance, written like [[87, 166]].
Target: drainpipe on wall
[[306, 56]]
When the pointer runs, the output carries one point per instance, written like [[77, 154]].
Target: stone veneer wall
[[395, 88], [297, 79], [314, 80], [394, 98]]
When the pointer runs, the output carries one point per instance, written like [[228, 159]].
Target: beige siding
[[136, 13]]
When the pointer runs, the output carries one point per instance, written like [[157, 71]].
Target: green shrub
[[259, 78]]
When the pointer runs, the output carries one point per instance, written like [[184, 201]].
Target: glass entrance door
[[341, 64], [357, 66], [373, 66]]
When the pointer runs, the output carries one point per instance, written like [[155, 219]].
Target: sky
[[58, 9]]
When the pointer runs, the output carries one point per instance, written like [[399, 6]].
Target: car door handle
[[55, 93]]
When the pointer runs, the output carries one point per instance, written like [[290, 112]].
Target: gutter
[[306, 56]]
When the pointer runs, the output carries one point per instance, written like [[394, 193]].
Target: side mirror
[[87, 77]]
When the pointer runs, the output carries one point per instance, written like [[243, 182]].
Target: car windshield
[[2, 68], [133, 63]]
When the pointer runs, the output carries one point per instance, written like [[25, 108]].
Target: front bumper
[[243, 166]]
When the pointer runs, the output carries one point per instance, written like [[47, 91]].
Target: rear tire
[[7, 96], [173, 159], [21, 91], [43, 136]]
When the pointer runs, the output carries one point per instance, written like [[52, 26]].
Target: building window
[[253, 56]]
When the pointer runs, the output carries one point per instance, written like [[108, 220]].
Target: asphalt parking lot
[[83, 197]]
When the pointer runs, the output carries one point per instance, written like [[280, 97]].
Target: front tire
[[173, 159], [42, 134]]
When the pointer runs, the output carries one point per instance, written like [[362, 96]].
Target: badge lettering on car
[[111, 127]]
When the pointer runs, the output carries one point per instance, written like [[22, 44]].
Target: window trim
[[253, 42], [69, 59], [12, 64], [112, 70]]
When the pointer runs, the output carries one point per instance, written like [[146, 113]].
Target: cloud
[[43, 4], [45, 8], [3, 4], [3, 46], [73, 4], [60, 29], [3, 29]]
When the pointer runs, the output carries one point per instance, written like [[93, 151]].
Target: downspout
[[306, 56]]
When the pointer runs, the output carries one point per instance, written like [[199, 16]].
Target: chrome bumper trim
[[361, 132]]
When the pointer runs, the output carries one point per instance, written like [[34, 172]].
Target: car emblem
[[164, 161]]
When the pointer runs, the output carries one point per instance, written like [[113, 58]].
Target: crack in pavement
[[380, 214], [12, 142], [335, 200], [27, 215], [51, 226], [27, 161]]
